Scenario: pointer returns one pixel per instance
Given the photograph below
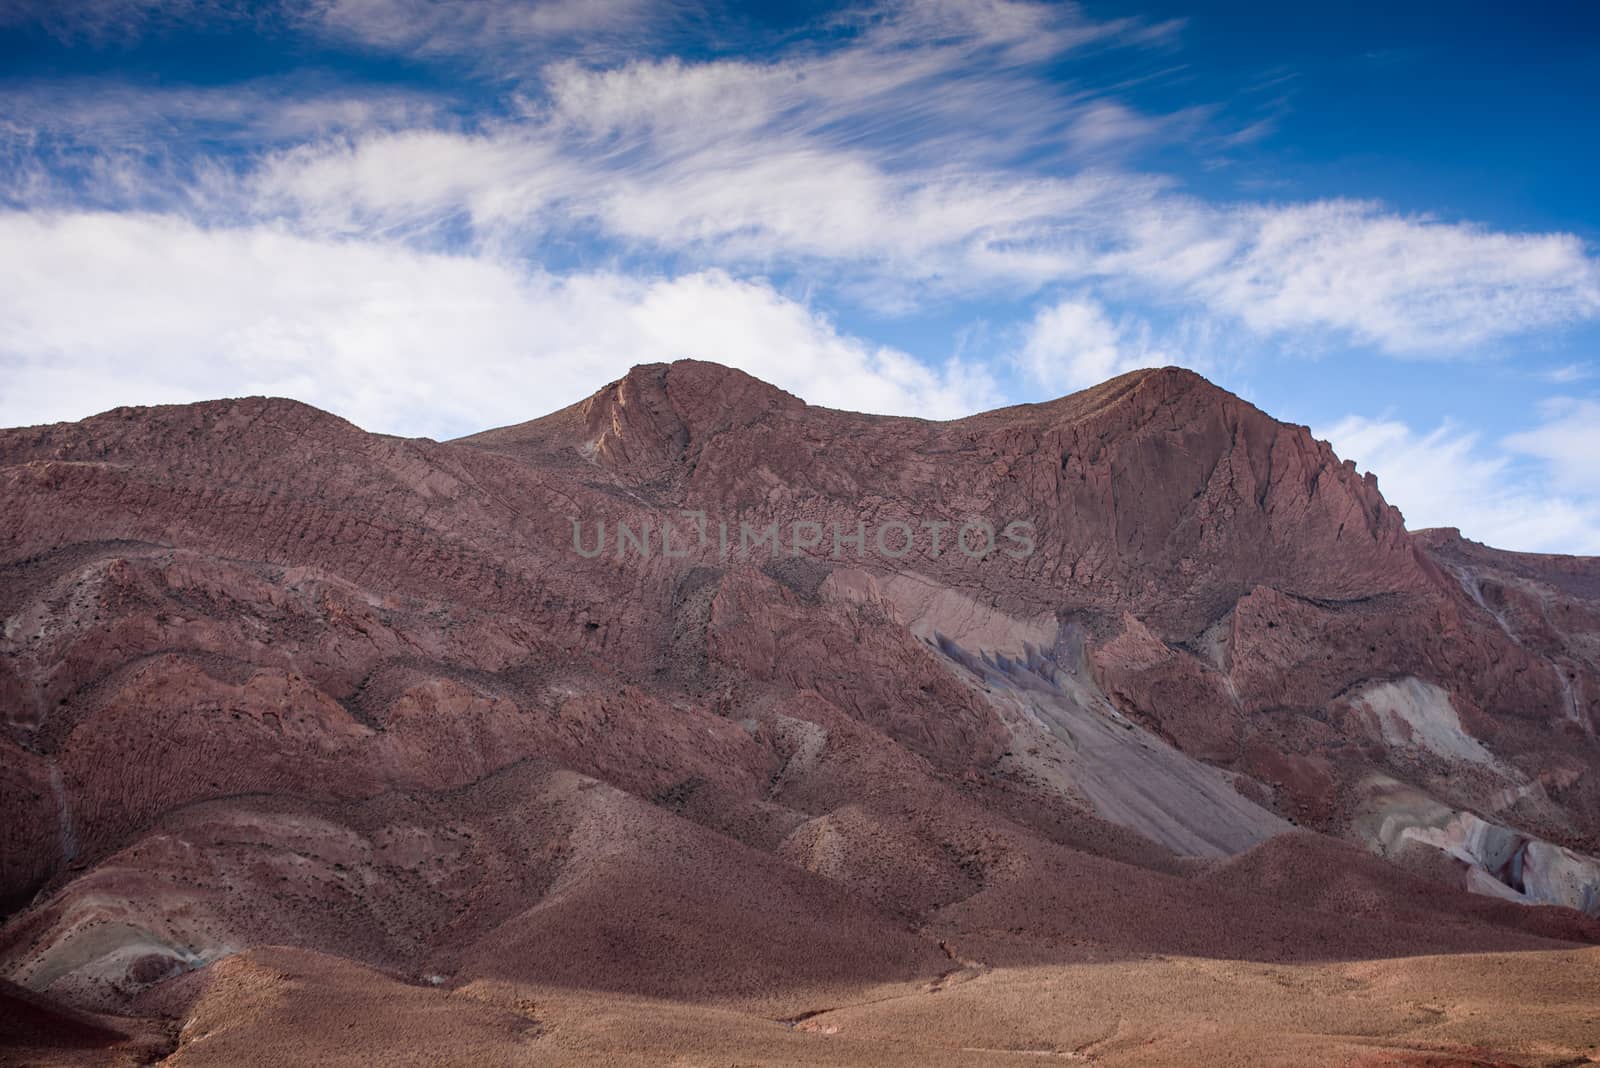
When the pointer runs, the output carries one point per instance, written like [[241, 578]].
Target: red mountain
[[896, 705]]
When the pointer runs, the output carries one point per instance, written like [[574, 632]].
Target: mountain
[[710, 710]]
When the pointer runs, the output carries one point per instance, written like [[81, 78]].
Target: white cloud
[[1446, 478], [98, 310], [111, 113], [885, 165], [1107, 124], [472, 29], [412, 181], [1023, 31], [1569, 373], [86, 142], [750, 165], [105, 22], [762, 162], [1073, 344], [498, 34], [1406, 284], [481, 30], [1568, 441]]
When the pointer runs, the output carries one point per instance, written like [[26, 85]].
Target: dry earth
[[283, 1006]]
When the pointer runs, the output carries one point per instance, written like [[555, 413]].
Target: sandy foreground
[[282, 1006]]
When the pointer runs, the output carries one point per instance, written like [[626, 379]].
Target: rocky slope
[[267, 679]]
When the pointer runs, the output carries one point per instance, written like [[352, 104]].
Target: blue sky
[[434, 218]]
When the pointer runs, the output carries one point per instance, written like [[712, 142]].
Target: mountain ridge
[[271, 679]]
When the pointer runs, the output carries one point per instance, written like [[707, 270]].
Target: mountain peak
[[656, 413], [662, 412]]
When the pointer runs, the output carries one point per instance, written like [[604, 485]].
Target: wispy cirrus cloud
[[462, 28], [104, 112], [1568, 441], [743, 163], [1568, 373], [97, 142], [886, 162], [107, 23], [1408, 285], [497, 35]]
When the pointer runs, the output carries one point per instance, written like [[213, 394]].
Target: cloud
[[880, 170], [115, 22], [100, 142], [1073, 344], [1568, 373], [741, 165], [270, 111], [411, 182], [921, 153], [99, 310], [1405, 284], [475, 29], [487, 32], [1446, 477], [1568, 441], [500, 35]]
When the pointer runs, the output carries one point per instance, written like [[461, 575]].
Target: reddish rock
[[268, 679]]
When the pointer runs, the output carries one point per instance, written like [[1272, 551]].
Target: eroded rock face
[[268, 679], [1498, 861]]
